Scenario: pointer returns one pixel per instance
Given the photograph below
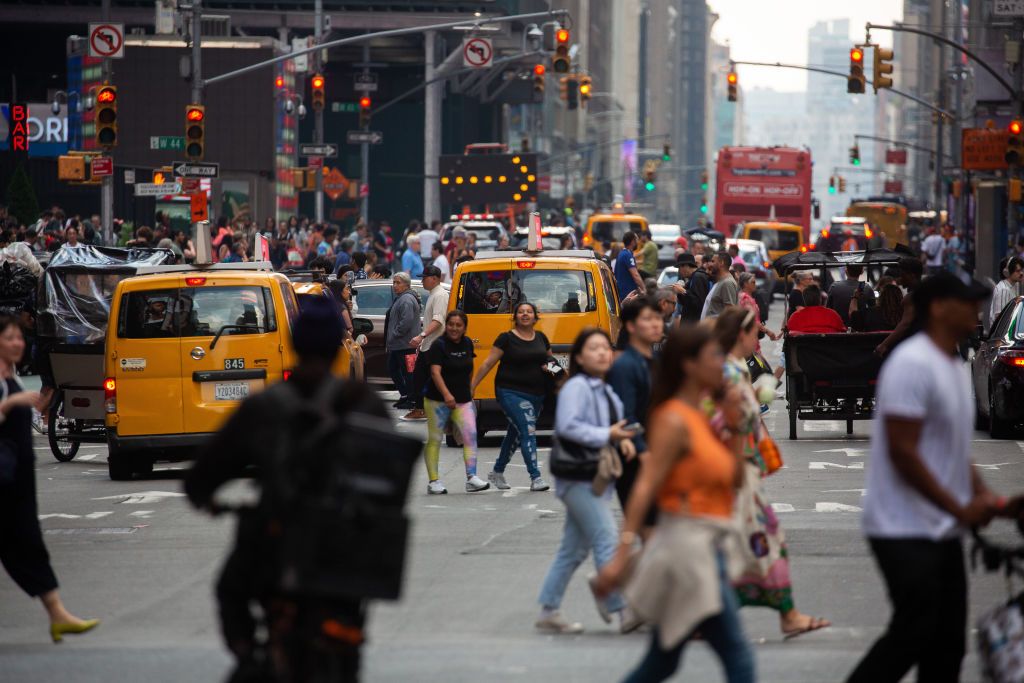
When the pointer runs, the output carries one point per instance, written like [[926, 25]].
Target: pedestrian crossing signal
[[106, 117]]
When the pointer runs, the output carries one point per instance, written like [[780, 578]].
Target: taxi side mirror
[[361, 326]]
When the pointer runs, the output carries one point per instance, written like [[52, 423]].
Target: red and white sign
[[316, 162], [477, 52], [364, 190], [896, 156], [894, 187], [106, 40], [17, 127], [102, 166], [190, 185], [741, 189]]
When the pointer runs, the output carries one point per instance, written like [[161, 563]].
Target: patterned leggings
[[463, 419]]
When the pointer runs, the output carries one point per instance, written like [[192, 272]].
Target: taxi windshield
[[774, 239], [199, 312], [551, 291]]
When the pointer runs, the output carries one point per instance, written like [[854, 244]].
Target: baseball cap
[[949, 286], [431, 271]]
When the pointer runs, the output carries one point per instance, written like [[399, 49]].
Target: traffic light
[[733, 80], [538, 78], [649, 175], [666, 152], [883, 57], [855, 154], [560, 60], [1014, 149], [842, 184], [704, 181], [318, 92], [569, 91], [364, 111], [831, 184], [195, 131], [855, 81], [106, 116], [703, 205], [279, 81], [586, 90]]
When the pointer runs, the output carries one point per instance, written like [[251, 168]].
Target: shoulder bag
[[576, 462]]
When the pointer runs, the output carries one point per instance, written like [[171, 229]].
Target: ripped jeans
[[522, 411], [463, 418]]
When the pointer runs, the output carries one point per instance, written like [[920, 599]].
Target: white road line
[[860, 491], [783, 507], [835, 507], [992, 466], [86, 457], [97, 515], [827, 465], [143, 497], [823, 425], [850, 452], [142, 514], [58, 515]]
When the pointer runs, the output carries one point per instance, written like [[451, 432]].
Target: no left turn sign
[[477, 52], [106, 40]]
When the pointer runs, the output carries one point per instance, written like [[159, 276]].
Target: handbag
[[574, 461], [1001, 643], [770, 454]]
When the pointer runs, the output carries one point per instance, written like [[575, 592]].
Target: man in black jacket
[[691, 290]]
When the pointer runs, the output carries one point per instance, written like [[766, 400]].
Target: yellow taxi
[[606, 228], [350, 361], [779, 238], [572, 290], [185, 345]]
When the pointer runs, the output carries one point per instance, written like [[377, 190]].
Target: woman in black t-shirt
[[448, 397], [519, 384]]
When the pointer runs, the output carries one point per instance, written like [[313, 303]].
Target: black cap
[[948, 286], [686, 259], [431, 271]]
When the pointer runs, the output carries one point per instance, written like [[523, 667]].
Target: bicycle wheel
[[58, 432]]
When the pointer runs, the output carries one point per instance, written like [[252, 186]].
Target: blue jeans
[[399, 375], [522, 411], [589, 525], [723, 632]]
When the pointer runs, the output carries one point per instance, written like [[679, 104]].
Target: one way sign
[[196, 169]]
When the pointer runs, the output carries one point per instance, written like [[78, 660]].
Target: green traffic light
[[649, 186], [703, 208], [703, 186], [856, 162], [831, 189], [666, 157]]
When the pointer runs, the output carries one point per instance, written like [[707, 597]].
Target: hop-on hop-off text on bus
[[763, 183]]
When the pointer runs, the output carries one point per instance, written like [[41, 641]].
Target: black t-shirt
[[456, 361], [521, 365], [796, 300]]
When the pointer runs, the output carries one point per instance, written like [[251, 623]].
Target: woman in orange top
[[680, 585]]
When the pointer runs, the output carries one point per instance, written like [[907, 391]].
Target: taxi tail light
[[767, 264], [526, 265], [587, 239], [824, 233], [803, 249], [110, 395], [1014, 359], [287, 375], [868, 232], [195, 281]]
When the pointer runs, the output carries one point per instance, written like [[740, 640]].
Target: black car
[[997, 373], [840, 230]]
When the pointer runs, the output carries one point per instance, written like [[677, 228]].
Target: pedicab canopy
[[838, 259], [78, 285]]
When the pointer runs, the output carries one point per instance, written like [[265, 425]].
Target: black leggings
[[22, 551]]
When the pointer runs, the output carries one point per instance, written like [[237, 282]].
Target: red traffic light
[[539, 69], [732, 78], [1016, 127], [106, 95], [194, 115], [856, 55], [318, 81], [279, 81], [365, 102], [562, 35]]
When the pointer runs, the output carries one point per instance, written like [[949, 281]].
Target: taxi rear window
[[551, 291], [778, 240], [612, 231], [195, 312]]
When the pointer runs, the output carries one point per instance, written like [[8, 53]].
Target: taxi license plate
[[230, 391], [562, 359]]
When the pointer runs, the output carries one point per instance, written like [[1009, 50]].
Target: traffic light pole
[[318, 116], [364, 153], [107, 186]]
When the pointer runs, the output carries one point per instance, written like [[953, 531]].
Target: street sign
[[318, 150], [316, 162], [896, 156], [365, 83], [893, 187], [370, 137], [334, 183], [1008, 8], [106, 40], [983, 149], [155, 189], [171, 142], [129, 176], [200, 212], [196, 169], [190, 185], [477, 53], [102, 166]]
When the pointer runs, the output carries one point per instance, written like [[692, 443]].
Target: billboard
[[488, 178]]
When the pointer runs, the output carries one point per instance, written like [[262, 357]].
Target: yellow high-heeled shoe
[[57, 631]]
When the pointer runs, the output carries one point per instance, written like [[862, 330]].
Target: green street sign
[[171, 142]]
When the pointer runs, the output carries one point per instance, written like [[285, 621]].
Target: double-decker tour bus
[[763, 183]]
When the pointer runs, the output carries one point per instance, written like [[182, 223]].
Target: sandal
[[815, 624]]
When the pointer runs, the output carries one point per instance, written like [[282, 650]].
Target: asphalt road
[[135, 555]]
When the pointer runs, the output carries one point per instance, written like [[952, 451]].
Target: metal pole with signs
[[318, 115], [364, 153]]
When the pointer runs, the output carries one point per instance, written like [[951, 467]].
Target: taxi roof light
[[195, 281], [526, 265]]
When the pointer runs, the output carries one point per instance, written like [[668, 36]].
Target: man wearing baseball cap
[[923, 491], [433, 326]]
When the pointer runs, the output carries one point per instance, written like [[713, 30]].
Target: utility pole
[[197, 80], [958, 94], [318, 114], [107, 186], [431, 131], [940, 128], [1012, 227], [641, 128], [364, 151]]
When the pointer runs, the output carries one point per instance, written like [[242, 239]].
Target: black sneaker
[[400, 403]]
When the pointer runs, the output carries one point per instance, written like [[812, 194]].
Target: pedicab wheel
[[791, 399], [58, 430]]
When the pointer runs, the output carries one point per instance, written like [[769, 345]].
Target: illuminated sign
[[17, 128]]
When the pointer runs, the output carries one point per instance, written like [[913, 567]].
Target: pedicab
[[72, 312]]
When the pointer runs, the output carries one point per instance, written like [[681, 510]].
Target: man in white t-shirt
[[437, 258], [923, 491], [434, 313], [427, 238], [934, 248]]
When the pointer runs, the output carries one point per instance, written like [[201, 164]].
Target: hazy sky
[[760, 31]]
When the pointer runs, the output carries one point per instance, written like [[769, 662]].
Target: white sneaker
[[475, 483], [602, 608], [539, 484], [436, 487], [556, 623], [498, 479]]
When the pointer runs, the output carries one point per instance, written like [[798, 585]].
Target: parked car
[[842, 228], [487, 229], [997, 372], [712, 240], [550, 237], [669, 276], [371, 300], [755, 257], [669, 238]]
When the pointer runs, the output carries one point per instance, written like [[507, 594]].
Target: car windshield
[[780, 240], [551, 291], [664, 233], [841, 228], [752, 257], [612, 231]]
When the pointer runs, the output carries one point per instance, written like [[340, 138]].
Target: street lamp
[[77, 108]]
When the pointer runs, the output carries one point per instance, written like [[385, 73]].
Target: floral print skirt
[[765, 580]]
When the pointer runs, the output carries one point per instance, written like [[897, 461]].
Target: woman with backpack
[[448, 399], [587, 424]]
